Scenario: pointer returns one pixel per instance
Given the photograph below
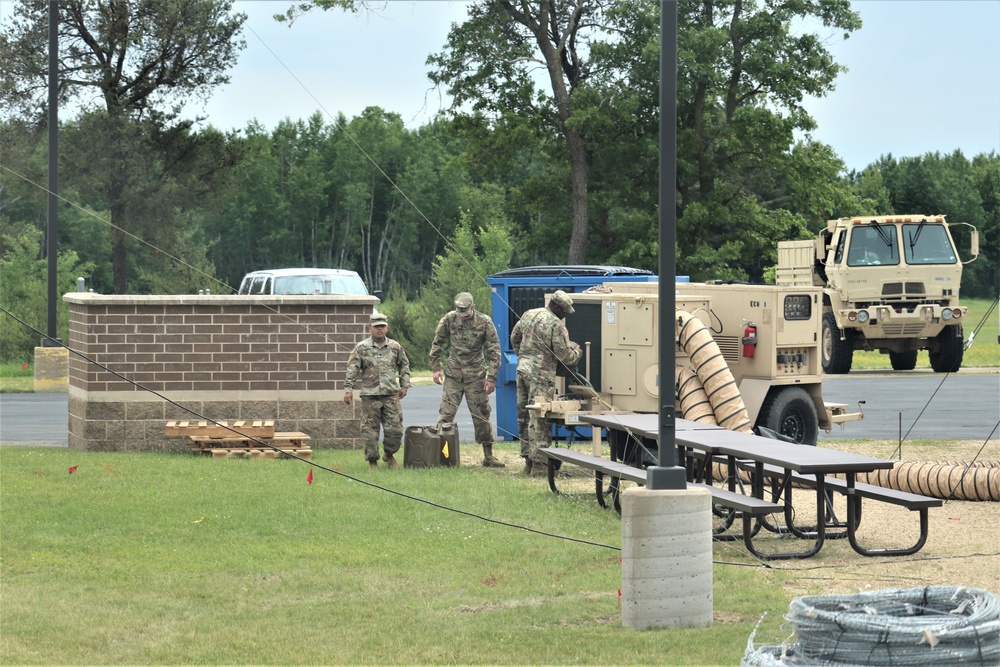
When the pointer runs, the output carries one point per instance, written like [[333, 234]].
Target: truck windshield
[[319, 284], [873, 245], [927, 244]]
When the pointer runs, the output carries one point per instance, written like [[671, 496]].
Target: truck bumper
[[884, 321]]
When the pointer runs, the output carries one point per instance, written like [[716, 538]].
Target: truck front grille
[[910, 329], [898, 289]]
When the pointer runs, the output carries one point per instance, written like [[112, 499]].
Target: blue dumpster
[[518, 290]]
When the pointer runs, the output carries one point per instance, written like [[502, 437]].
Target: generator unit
[[516, 291]]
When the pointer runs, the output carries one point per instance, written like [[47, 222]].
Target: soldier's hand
[[348, 397], [490, 386], [438, 377], [402, 392]]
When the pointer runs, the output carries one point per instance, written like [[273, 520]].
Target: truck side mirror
[[378, 294]]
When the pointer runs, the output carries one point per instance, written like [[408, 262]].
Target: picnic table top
[[715, 440], [646, 424], [806, 459]]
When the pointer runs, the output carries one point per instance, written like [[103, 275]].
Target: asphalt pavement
[[961, 406]]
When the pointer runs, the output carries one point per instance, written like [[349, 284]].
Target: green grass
[[17, 378], [984, 353], [145, 558]]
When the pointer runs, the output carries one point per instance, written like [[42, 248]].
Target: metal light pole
[[53, 186], [667, 475]]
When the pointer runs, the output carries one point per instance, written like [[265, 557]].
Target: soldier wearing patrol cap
[[541, 341], [471, 369], [384, 370]]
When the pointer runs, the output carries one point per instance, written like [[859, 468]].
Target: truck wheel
[[790, 411], [903, 361], [951, 349], [837, 354]]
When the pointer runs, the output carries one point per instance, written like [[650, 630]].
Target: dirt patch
[[962, 548]]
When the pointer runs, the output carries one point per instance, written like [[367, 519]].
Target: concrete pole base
[[51, 369], [666, 558]]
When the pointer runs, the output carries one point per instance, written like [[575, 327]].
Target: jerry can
[[429, 446]]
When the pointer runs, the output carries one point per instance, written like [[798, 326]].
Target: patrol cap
[[463, 302], [376, 319], [562, 300]]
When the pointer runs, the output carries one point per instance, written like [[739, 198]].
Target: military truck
[[890, 283], [768, 337]]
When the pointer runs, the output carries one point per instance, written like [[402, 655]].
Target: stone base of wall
[[126, 421], [51, 369]]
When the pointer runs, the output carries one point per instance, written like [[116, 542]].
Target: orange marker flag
[[73, 469], [310, 477], [444, 450]]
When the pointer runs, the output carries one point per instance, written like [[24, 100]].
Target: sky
[[924, 75]]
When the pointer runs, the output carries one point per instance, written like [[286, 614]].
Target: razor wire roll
[[931, 625]]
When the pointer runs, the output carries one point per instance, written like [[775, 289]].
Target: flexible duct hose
[[949, 480], [716, 378], [692, 399]]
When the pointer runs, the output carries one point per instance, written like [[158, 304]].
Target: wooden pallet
[[251, 439], [281, 440], [203, 429], [240, 452]]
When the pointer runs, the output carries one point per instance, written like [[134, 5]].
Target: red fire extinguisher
[[749, 340]]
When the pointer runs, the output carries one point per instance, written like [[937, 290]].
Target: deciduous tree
[[137, 61]]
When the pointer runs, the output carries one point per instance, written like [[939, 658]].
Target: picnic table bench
[[749, 507], [782, 483], [252, 439]]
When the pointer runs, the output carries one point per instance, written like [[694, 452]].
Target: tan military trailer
[[764, 341], [890, 283]]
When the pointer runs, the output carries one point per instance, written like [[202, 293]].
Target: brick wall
[[224, 357]]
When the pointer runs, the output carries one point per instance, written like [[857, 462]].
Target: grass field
[[172, 559], [141, 558]]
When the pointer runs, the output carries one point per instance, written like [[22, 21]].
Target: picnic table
[[785, 464]]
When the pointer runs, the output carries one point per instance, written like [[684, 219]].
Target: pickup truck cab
[[304, 281]]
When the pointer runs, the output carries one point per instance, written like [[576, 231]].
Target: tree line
[[513, 174]]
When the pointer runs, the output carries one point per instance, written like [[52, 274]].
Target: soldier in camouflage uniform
[[384, 369], [541, 341], [471, 370]]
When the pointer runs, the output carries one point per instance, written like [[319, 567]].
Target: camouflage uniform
[[384, 368], [473, 358], [540, 340]]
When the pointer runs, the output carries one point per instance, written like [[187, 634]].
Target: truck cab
[[891, 283]]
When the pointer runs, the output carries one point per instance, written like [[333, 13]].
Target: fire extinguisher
[[749, 340]]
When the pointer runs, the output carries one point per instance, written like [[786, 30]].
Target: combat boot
[[527, 466], [391, 460], [488, 460], [539, 469]]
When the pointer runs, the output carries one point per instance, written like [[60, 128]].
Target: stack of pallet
[[252, 439]]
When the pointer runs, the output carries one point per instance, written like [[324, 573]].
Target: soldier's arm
[[516, 335], [492, 349], [353, 370], [563, 348], [403, 368], [437, 347]]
